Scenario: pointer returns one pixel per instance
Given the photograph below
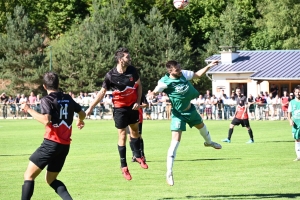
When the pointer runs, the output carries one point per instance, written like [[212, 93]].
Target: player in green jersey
[[294, 119], [176, 84]]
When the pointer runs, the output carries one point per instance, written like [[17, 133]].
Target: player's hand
[[88, 111], [213, 63], [136, 106], [24, 106], [291, 122], [80, 124]]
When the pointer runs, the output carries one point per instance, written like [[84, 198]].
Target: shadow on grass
[[17, 155], [241, 196], [290, 141]]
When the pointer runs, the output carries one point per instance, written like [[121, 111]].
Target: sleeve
[[45, 106], [106, 82], [187, 74], [160, 86]]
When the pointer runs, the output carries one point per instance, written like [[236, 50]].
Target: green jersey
[[180, 91], [294, 109]]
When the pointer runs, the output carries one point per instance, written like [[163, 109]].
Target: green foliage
[[84, 55], [279, 27], [22, 51]]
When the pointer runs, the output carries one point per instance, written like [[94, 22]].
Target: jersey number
[[63, 111]]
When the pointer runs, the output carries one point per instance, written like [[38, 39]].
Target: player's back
[[61, 107]]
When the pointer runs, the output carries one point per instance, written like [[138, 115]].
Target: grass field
[[263, 170]]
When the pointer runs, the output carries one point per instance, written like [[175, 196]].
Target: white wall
[[222, 81]]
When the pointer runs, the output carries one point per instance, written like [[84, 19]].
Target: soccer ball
[[180, 4]]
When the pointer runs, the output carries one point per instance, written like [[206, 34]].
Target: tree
[[279, 27], [22, 50]]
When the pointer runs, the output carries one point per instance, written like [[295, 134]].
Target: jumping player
[[294, 119], [176, 84], [57, 111], [240, 117], [127, 92]]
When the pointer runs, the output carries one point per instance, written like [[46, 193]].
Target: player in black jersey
[[127, 91], [57, 112]]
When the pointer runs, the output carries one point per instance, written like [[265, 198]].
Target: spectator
[[220, 107], [274, 90], [17, 102], [38, 103], [3, 101], [285, 104], [207, 94], [164, 101], [201, 105], [232, 104], [208, 109], [31, 100], [23, 100], [251, 106], [11, 103]]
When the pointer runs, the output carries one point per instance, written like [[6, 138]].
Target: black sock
[[136, 143], [122, 153], [27, 190], [131, 147], [251, 134], [142, 147], [230, 133], [61, 189]]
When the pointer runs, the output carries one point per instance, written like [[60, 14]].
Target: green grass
[[263, 170]]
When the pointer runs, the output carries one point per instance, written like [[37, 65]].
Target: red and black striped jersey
[[240, 111], [123, 85], [61, 107]]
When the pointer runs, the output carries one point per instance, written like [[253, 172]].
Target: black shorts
[[52, 154], [243, 122], [125, 116]]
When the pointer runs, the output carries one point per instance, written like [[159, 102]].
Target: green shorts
[[296, 132], [179, 119]]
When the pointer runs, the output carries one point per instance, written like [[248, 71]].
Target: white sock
[[205, 134], [297, 149], [171, 155]]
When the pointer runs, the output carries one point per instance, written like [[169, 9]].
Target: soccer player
[[127, 91], [176, 84], [144, 104], [57, 111], [294, 119], [240, 117]]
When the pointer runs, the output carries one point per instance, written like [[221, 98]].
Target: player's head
[[174, 69], [122, 56], [50, 81]]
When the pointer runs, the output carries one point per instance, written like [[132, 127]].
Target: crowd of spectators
[[264, 106]]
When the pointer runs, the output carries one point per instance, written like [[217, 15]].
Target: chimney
[[228, 54]]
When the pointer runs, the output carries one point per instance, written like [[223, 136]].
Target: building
[[254, 71]]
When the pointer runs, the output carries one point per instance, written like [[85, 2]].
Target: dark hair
[[172, 63], [120, 53], [50, 80], [297, 88]]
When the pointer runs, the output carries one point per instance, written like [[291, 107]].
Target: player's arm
[[202, 71], [290, 114], [81, 117], [159, 88], [139, 93], [43, 118], [97, 99]]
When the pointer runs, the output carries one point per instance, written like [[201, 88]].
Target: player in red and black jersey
[[127, 91], [240, 117], [57, 111]]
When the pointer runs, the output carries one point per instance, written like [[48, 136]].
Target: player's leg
[[176, 137], [121, 122], [206, 136], [54, 167], [142, 140], [230, 131], [30, 174], [250, 132], [133, 120], [296, 134]]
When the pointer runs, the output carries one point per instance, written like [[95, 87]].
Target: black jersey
[[124, 86], [61, 107]]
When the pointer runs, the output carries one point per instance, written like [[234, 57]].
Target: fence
[[13, 111]]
